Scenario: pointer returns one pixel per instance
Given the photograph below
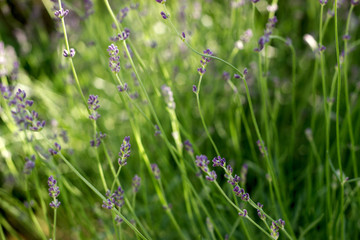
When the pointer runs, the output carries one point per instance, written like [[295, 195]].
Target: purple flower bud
[[29, 164], [260, 146], [245, 197], [29, 102], [55, 204], [237, 76], [188, 146], [61, 13], [164, 16], [281, 223], [157, 130], [244, 213], [118, 197], [194, 88], [233, 180], [288, 41], [201, 70], [346, 37], [124, 35], [218, 161], [57, 146], [69, 54], [123, 88], [72, 52], [107, 204], [156, 171], [208, 52], [323, 1], [202, 162], [212, 176], [245, 71], [136, 183], [97, 141], [261, 215], [322, 48], [226, 76], [118, 219], [355, 2], [183, 35], [52, 151]]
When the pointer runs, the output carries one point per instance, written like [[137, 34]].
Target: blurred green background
[[29, 27]]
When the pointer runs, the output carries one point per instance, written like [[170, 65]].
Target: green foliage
[[288, 101]]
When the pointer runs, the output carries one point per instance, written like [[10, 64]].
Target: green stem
[[202, 117], [327, 126], [71, 61], [115, 179], [347, 102], [54, 228], [98, 161], [342, 226]]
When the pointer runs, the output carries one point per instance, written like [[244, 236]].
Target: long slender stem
[[202, 117], [71, 61], [347, 101], [327, 127], [342, 226], [54, 228]]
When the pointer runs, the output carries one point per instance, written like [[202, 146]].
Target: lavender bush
[[118, 105]]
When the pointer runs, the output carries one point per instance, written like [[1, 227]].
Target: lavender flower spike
[[124, 151], [97, 141], [169, 96], [54, 192], [188, 147], [136, 181], [219, 162], [29, 164], [93, 105], [114, 58], [202, 162]]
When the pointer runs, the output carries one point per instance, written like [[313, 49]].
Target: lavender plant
[[54, 192], [274, 95]]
